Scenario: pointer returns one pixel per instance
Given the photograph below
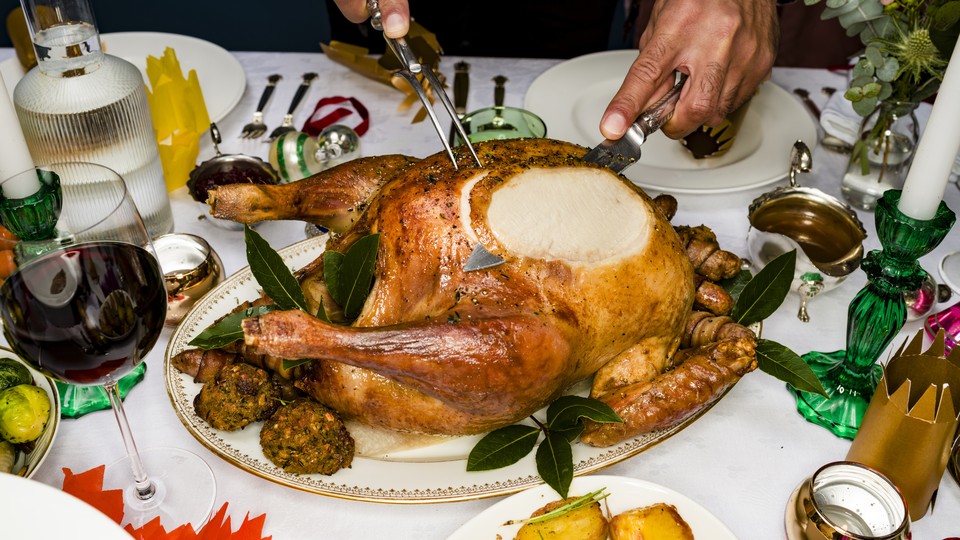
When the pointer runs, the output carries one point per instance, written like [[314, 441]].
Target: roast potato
[[660, 521], [584, 523]]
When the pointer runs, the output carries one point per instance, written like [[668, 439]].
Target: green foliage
[[229, 329], [779, 361], [272, 273], [554, 458], [908, 43], [766, 291], [349, 275]]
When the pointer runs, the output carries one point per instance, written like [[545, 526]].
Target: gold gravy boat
[[826, 233]]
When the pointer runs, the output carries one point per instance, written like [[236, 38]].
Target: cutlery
[[287, 125], [461, 87], [805, 98], [828, 91], [412, 68], [619, 154], [256, 127]]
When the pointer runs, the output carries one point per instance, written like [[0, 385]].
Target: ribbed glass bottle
[[80, 104]]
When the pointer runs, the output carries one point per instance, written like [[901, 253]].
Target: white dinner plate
[[423, 474], [33, 510], [572, 96], [221, 76], [624, 494], [28, 462]]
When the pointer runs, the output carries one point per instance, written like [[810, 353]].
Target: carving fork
[[412, 68]]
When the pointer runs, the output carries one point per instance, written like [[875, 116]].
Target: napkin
[[88, 487], [839, 120], [179, 116]]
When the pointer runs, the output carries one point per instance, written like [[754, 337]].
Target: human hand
[[727, 47], [394, 14]]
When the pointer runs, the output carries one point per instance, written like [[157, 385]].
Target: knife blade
[[461, 87], [619, 154]]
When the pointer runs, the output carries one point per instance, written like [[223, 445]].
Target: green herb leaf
[[566, 411], [290, 364], [272, 273], [502, 447], [571, 433], [865, 106], [322, 312], [734, 286], [332, 262], [766, 291], [575, 504], [228, 330], [784, 364], [555, 463], [349, 276]]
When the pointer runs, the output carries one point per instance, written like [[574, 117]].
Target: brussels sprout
[[13, 373], [24, 410]]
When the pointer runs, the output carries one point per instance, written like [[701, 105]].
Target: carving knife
[[625, 151], [461, 87]]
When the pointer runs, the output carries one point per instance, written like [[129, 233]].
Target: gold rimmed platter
[[407, 473]]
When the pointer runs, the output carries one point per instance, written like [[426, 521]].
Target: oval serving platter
[[428, 474]]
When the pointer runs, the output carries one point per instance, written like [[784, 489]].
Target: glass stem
[[145, 488]]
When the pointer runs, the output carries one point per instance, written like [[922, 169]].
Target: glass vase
[[882, 155]]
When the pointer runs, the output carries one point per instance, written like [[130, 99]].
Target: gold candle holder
[[909, 427]]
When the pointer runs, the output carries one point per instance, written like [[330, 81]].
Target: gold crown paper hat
[[911, 422]]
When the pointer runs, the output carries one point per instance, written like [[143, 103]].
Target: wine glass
[[85, 304]]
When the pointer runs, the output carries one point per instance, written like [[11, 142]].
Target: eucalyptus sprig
[[508, 445]]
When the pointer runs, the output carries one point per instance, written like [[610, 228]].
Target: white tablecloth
[[740, 461]]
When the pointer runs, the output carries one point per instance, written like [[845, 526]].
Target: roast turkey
[[595, 282]]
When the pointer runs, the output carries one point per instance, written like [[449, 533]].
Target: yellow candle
[[936, 150]]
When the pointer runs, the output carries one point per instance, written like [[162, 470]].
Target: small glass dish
[[191, 269], [502, 123]]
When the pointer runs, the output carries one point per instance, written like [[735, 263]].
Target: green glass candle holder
[[876, 314]]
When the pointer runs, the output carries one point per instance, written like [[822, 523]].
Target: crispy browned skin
[[335, 199], [203, 365], [440, 350], [677, 394]]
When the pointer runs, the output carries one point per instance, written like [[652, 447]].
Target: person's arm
[[394, 14], [727, 47]]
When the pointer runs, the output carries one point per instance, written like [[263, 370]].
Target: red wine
[[87, 314]]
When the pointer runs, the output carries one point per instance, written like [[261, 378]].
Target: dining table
[[740, 461]]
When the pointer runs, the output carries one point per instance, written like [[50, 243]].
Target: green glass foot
[[76, 401], [842, 411]]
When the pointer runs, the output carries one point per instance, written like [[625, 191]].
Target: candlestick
[[14, 154], [874, 317], [938, 147]]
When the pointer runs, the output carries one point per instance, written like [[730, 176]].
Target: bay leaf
[[228, 329], [271, 272], [356, 274], [565, 412], [332, 261], [290, 364], [766, 291], [555, 463], [780, 362], [502, 447], [734, 286]]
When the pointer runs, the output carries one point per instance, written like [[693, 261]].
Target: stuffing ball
[[304, 437], [240, 394]]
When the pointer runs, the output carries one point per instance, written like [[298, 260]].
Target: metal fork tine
[[422, 94], [452, 111]]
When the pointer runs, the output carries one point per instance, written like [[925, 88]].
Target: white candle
[[936, 150], [14, 154]]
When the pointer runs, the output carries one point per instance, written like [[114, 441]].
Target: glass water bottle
[[80, 104]]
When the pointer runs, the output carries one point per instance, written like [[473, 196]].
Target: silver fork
[[409, 72], [287, 124], [256, 127]]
